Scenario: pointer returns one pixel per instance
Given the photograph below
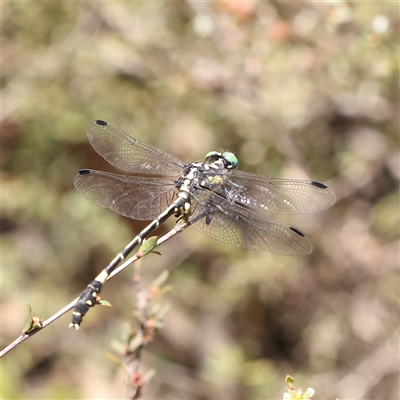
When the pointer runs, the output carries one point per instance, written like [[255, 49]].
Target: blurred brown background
[[296, 90]]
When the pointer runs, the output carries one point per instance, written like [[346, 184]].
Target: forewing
[[129, 154], [237, 226], [132, 196], [281, 196]]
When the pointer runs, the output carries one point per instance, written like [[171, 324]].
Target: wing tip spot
[[84, 172], [319, 185], [101, 122], [298, 231]]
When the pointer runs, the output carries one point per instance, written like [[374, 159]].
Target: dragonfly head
[[229, 159]]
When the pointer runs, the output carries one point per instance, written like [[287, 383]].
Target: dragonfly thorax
[[208, 174]]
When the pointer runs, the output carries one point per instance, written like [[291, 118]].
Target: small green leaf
[[126, 331], [148, 245], [28, 324], [160, 311], [136, 342], [32, 322], [148, 376], [165, 289], [104, 303], [293, 394], [289, 382]]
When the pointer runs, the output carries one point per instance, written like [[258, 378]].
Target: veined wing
[[281, 196], [235, 225], [142, 198], [129, 154]]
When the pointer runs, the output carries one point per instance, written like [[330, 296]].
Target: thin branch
[[26, 335], [133, 360]]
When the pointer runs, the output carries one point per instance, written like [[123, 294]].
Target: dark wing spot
[[319, 185], [84, 172], [101, 122], [299, 232]]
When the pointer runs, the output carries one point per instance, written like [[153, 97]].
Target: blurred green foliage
[[295, 89]]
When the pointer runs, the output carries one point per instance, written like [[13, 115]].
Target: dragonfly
[[218, 199]]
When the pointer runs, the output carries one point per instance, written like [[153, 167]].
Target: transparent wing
[[129, 154], [132, 196], [281, 196], [235, 225]]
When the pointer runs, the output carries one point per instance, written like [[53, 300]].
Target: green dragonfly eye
[[212, 154], [231, 161]]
